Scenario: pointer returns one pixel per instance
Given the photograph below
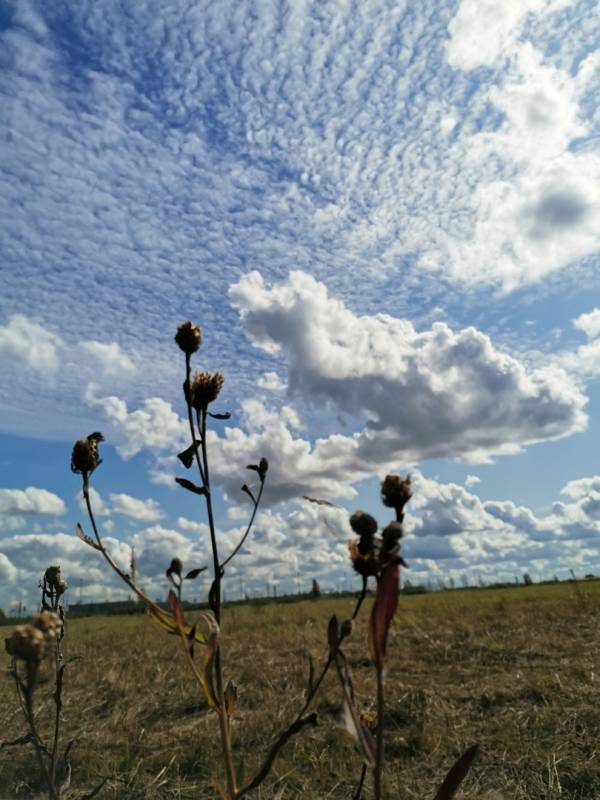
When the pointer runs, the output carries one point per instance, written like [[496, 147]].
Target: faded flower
[[85, 457], [54, 579], [188, 337], [29, 642], [395, 492], [205, 388]]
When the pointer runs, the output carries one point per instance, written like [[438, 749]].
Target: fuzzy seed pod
[[85, 457], [188, 338], [395, 492], [363, 524], [205, 388], [26, 643]]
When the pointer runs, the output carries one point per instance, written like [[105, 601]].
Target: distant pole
[[80, 589]]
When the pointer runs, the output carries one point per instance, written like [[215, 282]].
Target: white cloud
[[145, 510], [272, 382], [30, 501], [112, 359], [472, 480], [589, 323], [430, 394], [155, 426], [483, 31], [25, 341]]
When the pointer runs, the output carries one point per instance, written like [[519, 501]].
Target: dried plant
[[373, 557], [29, 645]]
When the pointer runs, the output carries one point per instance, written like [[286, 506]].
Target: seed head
[[205, 388], [395, 492], [85, 457], [392, 535], [48, 623], [188, 337], [26, 643], [363, 524], [175, 567]]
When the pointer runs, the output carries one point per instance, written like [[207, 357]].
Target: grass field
[[516, 669]]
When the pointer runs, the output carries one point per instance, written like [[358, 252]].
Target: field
[[516, 669]]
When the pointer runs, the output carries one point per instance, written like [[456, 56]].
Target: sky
[[385, 217]]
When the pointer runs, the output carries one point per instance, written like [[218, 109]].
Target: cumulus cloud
[[154, 426], [125, 505], [17, 505], [429, 394], [472, 480], [112, 359], [26, 342], [589, 323]]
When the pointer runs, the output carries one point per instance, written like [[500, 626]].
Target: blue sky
[[385, 217]]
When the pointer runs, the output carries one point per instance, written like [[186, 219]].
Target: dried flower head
[[363, 524], [188, 337], [54, 580], [26, 643], [395, 492], [205, 388], [391, 535], [48, 623], [365, 559], [85, 457], [176, 567]]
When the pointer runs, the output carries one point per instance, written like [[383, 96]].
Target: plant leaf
[[85, 538], [249, 493], [168, 623], [193, 573], [176, 609], [187, 456], [225, 415], [191, 487], [383, 611], [456, 774], [319, 502]]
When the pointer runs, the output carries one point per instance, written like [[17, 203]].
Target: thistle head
[[85, 457], [188, 338], [205, 388]]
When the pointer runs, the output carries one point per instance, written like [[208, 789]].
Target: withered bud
[[188, 337], [392, 534], [395, 492], [205, 388], [85, 457], [363, 524], [364, 560], [54, 579], [230, 696], [48, 623], [175, 567], [26, 642]]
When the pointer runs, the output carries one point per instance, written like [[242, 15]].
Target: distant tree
[[316, 590], [527, 579], [2, 616]]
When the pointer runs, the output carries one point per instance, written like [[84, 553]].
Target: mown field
[[517, 670]]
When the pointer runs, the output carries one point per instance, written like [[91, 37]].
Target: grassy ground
[[516, 670]]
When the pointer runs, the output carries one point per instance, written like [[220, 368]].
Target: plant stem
[[378, 768], [37, 744]]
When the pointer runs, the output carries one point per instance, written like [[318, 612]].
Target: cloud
[[26, 342], [16, 505], [482, 31], [589, 323], [127, 506], [154, 426], [111, 358], [430, 394], [271, 382], [472, 480]]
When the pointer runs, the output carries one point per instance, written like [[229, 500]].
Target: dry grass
[[515, 669]]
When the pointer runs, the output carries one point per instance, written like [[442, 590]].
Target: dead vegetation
[[514, 669]]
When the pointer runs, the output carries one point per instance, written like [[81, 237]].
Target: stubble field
[[516, 670]]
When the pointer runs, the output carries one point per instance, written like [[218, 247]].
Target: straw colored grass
[[514, 669]]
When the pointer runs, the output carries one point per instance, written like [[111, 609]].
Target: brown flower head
[[175, 567], [26, 643], [48, 623], [363, 524], [188, 337], [85, 457], [395, 492], [54, 579], [205, 388]]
